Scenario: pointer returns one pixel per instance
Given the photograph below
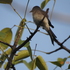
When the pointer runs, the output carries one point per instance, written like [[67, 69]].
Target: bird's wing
[[50, 23]]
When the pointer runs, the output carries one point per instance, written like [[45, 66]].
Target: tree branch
[[66, 39], [62, 46], [6, 44], [30, 37], [14, 50]]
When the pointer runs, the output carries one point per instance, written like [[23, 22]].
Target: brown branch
[[62, 46], [66, 39], [6, 44], [54, 51], [30, 37], [14, 50]]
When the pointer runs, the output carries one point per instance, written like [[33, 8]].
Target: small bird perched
[[38, 14]]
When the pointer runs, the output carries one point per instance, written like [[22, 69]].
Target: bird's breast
[[37, 17]]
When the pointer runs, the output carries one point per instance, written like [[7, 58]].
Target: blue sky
[[8, 18]]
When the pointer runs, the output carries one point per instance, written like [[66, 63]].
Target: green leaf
[[5, 36], [2, 59], [2, 34], [5, 65], [8, 51], [28, 64], [32, 65], [43, 4], [69, 66], [17, 62], [30, 51], [57, 63], [41, 64], [21, 55], [22, 61], [21, 41], [60, 62], [59, 59], [27, 45], [14, 62], [4, 56], [6, 1]]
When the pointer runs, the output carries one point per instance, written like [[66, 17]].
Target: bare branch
[[62, 46], [66, 39], [6, 44], [30, 37]]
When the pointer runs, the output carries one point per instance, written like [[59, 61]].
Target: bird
[[38, 14]]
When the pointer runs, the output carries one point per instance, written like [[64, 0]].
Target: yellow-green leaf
[[30, 51], [27, 45], [43, 4], [59, 59], [57, 63], [4, 56], [28, 64], [2, 59], [21, 41], [21, 55], [5, 37], [19, 61], [62, 60], [32, 65], [8, 51], [41, 64], [6, 1]]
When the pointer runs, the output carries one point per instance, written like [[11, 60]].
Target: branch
[[14, 50], [62, 46], [30, 37], [6, 44], [66, 39], [54, 51], [33, 29]]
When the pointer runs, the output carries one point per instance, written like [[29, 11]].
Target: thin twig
[[30, 37], [33, 58], [55, 68], [26, 8], [66, 39], [61, 45], [15, 11], [28, 29], [38, 50], [35, 49], [52, 9], [54, 51], [33, 29], [48, 52], [25, 15]]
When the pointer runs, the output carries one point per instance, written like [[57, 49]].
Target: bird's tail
[[52, 36]]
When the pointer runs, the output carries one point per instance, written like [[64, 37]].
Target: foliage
[[18, 55]]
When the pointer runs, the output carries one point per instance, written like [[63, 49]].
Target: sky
[[8, 18]]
